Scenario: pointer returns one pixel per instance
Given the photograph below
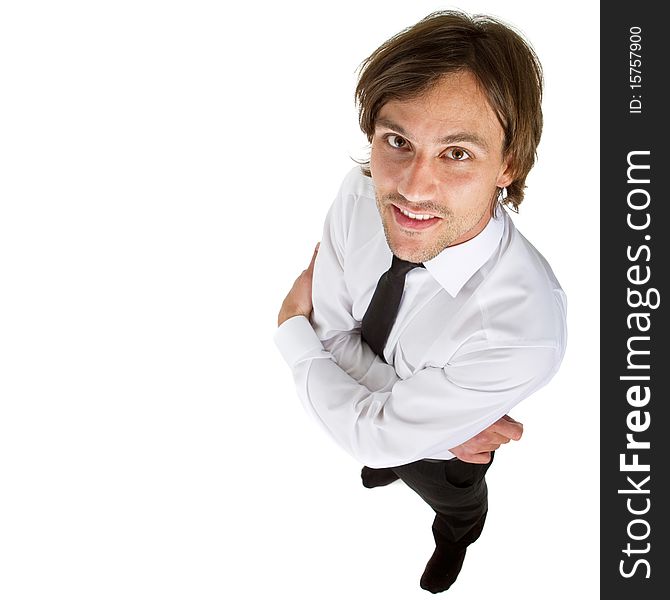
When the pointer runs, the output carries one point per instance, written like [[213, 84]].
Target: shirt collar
[[455, 265]]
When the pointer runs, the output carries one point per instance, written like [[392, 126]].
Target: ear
[[505, 175]]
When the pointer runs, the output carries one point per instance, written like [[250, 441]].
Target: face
[[436, 162]]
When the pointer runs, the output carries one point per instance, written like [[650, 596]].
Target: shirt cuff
[[296, 339]]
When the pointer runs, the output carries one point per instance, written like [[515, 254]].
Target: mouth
[[414, 221]]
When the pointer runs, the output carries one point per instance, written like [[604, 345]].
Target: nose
[[417, 180]]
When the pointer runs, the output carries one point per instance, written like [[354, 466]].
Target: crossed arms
[[371, 377]]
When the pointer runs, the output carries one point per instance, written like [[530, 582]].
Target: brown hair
[[444, 42]]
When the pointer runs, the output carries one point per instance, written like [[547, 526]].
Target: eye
[[395, 141], [457, 154]]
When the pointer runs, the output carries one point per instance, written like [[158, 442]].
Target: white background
[[165, 168]]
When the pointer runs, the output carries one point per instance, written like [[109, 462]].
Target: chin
[[416, 247], [413, 253]]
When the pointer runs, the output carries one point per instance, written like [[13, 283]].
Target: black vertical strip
[[635, 426]]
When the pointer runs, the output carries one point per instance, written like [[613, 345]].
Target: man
[[420, 390]]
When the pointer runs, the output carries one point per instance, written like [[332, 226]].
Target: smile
[[415, 216], [409, 220]]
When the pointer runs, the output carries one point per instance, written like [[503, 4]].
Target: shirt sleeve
[[434, 409]]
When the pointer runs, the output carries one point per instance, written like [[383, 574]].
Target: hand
[[478, 448], [299, 299]]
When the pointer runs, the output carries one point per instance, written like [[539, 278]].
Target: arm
[[346, 347], [298, 303], [436, 408]]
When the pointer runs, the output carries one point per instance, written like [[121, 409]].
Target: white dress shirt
[[478, 330]]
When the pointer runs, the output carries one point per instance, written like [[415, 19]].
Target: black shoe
[[373, 478], [442, 568]]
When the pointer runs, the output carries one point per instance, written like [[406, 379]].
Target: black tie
[[381, 314]]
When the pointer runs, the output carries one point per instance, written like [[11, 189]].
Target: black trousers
[[456, 491]]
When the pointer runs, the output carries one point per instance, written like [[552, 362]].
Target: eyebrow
[[453, 138]]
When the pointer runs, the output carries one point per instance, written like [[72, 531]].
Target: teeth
[[417, 217]]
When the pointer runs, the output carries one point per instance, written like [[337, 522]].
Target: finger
[[310, 268], [508, 418], [489, 436], [486, 440], [496, 438], [511, 429], [316, 251], [483, 447], [481, 458]]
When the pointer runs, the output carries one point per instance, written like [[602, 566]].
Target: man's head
[[452, 108]]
